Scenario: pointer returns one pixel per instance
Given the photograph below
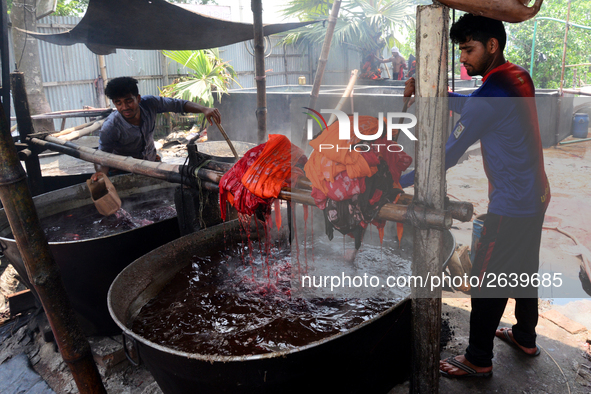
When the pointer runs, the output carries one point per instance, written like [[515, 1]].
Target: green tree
[[64, 7], [208, 75], [549, 43], [71, 7], [359, 22]]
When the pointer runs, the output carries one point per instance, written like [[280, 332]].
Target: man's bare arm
[[211, 114]]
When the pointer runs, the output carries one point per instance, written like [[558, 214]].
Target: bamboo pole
[[74, 113], [158, 170], [432, 123], [74, 134], [260, 78], [348, 91], [332, 21], [42, 269], [103, 70], [221, 129], [75, 128], [172, 173]]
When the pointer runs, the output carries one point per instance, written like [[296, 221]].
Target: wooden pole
[[564, 48], [166, 80], [348, 92], [74, 134], [332, 21], [260, 78], [42, 269], [172, 173], [5, 59], [225, 135], [25, 127], [103, 69], [432, 123], [80, 128]]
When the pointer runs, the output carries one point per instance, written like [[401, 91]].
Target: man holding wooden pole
[[129, 131], [502, 115]]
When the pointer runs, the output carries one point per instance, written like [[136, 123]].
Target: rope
[[420, 222], [561, 371], [201, 221]]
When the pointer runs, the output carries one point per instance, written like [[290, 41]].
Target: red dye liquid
[[86, 223], [297, 243], [215, 307], [312, 236], [305, 234]]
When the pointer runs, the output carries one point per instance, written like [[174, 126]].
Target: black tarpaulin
[[153, 24]]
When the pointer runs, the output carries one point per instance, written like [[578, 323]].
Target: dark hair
[[121, 87], [478, 28]]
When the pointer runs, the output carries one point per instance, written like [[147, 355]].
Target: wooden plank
[[431, 92]]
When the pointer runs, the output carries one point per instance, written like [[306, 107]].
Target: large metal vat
[[89, 266], [369, 358]]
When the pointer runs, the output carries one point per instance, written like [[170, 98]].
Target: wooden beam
[[260, 78], [432, 122], [4, 59], [332, 21], [25, 127]]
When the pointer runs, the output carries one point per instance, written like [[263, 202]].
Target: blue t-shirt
[[122, 138], [502, 115]]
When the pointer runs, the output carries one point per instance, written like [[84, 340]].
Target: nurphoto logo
[[345, 130]]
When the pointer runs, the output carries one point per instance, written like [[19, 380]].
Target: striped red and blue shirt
[[502, 114]]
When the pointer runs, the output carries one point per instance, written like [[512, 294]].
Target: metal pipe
[[576, 91], [533, 48], [42, 268], [564, 48], [573, 141], [533, 41]]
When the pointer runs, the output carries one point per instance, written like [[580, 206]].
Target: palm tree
[[366, 25], [208, 75]]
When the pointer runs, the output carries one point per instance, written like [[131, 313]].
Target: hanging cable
[[31, 9]]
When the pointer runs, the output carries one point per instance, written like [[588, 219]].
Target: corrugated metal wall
[[69, 72]]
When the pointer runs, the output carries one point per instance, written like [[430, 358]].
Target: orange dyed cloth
[[326, 164], [256, 180], [273, 168]]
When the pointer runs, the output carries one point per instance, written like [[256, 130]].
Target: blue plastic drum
[[580, 125]]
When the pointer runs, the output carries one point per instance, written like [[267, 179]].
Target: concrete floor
[[563, 366]]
